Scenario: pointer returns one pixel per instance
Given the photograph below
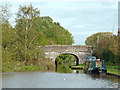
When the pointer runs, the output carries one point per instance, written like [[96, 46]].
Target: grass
[[79, 66], [113, 70], [110, 69], [47, 65], [21, 68], [24, 68], [28, 68], [17, 66]]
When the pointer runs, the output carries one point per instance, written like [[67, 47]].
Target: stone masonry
[[79, 51]]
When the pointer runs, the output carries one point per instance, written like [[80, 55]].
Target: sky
[[81, 18]]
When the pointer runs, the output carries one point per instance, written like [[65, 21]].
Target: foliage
[[105, 46], [21, 68], [64, 61], [5, 12], [79, 66], [119, 45], [47, 64], [113, 70], [66, 58], [64, 68], [19, 43]]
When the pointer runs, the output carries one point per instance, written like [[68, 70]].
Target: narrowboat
[[94, 65]]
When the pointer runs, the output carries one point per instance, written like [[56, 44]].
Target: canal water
[[76, 79]]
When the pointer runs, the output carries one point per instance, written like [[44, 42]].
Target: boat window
[[98, 64]]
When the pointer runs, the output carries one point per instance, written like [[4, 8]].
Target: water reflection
[[76, 79], [63, 61], [64, 68], [105, 77], [65, 77], [99, 76]]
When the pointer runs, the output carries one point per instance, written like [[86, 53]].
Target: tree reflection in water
[[63, 62]]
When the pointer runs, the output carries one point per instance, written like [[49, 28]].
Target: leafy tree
[[5, 12], [8, 38], [27, 33], [20, 43], [118, 46], [105, 46]]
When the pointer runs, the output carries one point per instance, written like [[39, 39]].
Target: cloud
[[81, 18], [19, 1]]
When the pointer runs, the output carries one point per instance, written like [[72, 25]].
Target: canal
[[76, 79]]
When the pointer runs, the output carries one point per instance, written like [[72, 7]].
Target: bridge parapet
[[67, 48]]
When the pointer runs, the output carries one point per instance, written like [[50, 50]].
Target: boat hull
[[99, 71]]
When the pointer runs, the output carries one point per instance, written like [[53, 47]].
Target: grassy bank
[[113, 70], [80, 66], [27, 68], [43, 65], [110, 69], [21, 68]]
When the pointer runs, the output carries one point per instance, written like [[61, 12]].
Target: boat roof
[[89, 58]]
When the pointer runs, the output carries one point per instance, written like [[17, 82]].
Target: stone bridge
[[79, 51]]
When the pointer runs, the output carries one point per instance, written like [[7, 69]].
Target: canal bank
[[111, 70]]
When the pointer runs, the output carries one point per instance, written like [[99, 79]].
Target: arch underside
[[77, 59], [80, 56]]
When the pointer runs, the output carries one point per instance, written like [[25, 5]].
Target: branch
[[32, 40]]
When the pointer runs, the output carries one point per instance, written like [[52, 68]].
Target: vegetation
[[105, 46], [113, 70], [66, 58], [19, 43], [64, 68], [64, 61], [110, 69], [80, 66]]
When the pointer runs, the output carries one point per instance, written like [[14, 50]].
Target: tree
[[105, 46], [118, 47], [27, 33], [5, 12], [20, 43], [8, 37]]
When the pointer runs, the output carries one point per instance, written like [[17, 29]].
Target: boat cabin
[[95, 65]]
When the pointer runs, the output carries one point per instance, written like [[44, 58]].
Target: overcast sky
[[82, 18]]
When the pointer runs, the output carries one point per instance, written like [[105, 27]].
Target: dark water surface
[[57, 80]]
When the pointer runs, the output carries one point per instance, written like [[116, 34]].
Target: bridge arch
[[76, 56], [79, 51]]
